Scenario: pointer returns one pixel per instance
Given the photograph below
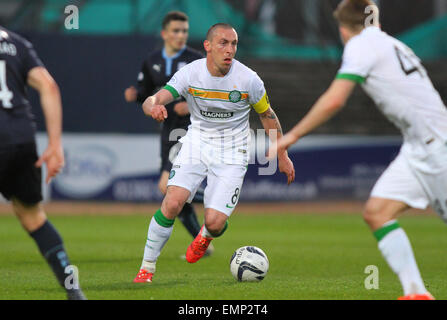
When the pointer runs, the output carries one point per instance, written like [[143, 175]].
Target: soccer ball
[[249, 264]]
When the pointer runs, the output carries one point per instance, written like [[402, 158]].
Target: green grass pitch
[[320, 256]]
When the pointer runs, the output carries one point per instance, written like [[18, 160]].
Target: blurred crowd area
[[309, 20], [292, 44], [305, 21]]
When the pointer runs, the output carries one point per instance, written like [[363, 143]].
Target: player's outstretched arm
[[154, 106], [50, 100], [273, 128], [324, 109]]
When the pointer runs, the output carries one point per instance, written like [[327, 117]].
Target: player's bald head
[[212, 31]]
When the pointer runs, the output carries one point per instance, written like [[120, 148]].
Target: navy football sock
[[51, 247]]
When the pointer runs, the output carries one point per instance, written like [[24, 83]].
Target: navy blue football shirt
[[17, 58]]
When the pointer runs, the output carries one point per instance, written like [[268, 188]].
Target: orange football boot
[[143, 276], [425, 296], [197, 248]]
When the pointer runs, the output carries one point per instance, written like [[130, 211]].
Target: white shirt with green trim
[[219, 107], [393, 76]]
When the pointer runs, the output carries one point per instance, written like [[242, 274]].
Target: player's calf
[[159, 232], [46, 237], [393, 243]]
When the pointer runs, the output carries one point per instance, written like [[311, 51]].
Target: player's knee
[[372, 213], [172, 206], [215, 226], [31, 216], [25, 209]]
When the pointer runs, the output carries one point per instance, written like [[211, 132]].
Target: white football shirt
[[393, 76], [220, 106]]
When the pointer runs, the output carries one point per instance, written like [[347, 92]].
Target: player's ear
[[207, 45]]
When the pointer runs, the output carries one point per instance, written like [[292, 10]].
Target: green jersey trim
[[353, 77], [172, 91]]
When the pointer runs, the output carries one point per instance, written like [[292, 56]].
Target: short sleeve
[[178, 85], [358, 60], [30, 57], [258, 95]]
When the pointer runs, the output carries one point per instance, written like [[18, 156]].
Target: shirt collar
[[178, 54]]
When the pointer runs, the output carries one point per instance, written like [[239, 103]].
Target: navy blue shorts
[[19, 177]]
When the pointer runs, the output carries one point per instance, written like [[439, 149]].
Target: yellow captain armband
[[263, 105]]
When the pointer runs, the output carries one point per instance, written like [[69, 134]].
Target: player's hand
[[131, 94], [157, 112], [286, 166], [181, 109], [53, 156]]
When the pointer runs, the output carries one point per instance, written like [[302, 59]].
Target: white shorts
[[224, 181], [418, 189]]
